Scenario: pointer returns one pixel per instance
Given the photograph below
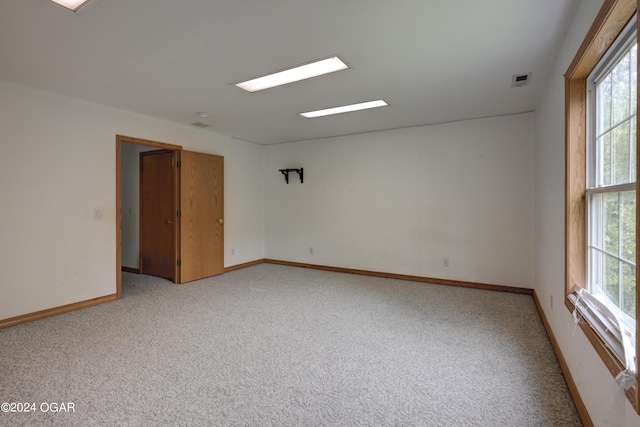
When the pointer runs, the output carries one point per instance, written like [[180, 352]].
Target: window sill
[[610, 360]]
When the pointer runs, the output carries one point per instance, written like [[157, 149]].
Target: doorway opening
[[194, 219], [142, 145]]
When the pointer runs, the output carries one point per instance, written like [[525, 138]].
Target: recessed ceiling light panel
[[345, 109], [301, 72], [72, 5]]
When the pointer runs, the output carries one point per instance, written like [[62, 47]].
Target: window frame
[[611, 20], [596, 183]]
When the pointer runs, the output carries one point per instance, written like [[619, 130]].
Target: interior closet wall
[[131, 203]]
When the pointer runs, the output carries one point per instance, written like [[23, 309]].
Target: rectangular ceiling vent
[[200, 125], [519, 80]]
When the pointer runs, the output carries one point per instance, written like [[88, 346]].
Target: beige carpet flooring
[[272, 345]]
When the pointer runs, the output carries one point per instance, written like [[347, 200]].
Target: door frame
[[120, 139]]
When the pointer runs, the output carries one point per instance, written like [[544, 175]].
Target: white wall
[[58, 165], [401, 201], [605, 402]]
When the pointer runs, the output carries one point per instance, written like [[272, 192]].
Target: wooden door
[[157, 214], [202, 216]]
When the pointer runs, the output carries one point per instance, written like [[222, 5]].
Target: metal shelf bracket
[[285, 172]]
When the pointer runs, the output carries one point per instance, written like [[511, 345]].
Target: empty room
[[291, 213]]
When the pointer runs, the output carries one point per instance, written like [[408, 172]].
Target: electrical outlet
[[311, 250], [233, 251], [445, 262], [98, 214]]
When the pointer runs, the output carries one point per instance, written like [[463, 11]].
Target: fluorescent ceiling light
[[73, 5], [345, 109], [301, 72]]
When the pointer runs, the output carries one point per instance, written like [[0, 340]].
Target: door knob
[[168, 221], [221, 221]]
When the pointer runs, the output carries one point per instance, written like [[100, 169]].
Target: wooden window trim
[[609, 23]]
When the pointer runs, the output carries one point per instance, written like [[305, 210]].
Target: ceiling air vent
[[200, 125], [519, 80]]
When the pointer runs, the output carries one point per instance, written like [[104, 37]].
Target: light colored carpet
[[272, 345]]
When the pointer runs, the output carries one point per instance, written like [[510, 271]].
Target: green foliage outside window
[[614, 236]]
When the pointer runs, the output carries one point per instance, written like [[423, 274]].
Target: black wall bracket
[[285, 172]]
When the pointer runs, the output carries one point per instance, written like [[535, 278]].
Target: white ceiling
[[434, 61]]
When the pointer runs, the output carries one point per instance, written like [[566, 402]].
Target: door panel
[[202, 215], [157, 214]]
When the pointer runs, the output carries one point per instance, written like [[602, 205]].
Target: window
[[601, 189], [611, 179]]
